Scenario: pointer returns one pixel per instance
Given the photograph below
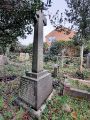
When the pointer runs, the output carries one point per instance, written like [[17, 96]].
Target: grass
[[7, 110], [15, 69], [80, 109], [1, 102], [77, 84]]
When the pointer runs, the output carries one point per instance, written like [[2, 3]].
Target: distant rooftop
[[59, 34]]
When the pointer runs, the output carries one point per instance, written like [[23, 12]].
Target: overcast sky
[[56, 5]]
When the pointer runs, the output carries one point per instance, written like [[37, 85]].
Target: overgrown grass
[[7, 109], [54, 111], [80, 108], [15, 69], [79, 85]]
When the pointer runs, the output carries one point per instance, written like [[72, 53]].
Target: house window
[[51, 39]]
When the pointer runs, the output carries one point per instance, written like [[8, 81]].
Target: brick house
[[62, 34]]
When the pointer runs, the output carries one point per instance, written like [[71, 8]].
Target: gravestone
[[56, 70], [3, 60], [36, 86], [88, 60], [22, 57], [27, 57], [7, 50]]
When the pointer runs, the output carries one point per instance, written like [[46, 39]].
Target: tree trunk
[[81, 58]]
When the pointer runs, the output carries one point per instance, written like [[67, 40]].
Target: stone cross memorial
[[36, 86]]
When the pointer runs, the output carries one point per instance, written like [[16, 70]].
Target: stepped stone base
[[35, 88], [35, 113]]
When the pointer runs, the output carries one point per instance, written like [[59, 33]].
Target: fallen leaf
[[74, 115], [79, 98]]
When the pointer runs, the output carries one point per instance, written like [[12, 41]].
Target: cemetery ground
[[61, 107]]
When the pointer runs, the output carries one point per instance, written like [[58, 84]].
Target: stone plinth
[[35, 88], [33, 113]]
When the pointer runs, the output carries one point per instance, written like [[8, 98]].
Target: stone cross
[[37, 60], [33, 89]]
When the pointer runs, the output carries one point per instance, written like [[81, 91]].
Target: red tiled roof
[[62, 35]]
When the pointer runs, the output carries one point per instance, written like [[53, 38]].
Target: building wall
[[56, 35]]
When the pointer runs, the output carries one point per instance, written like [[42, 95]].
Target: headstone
[[88, 60], [36, 86], [3, 60], [7, 50], [27, 57], [22, 57], [56, 70]]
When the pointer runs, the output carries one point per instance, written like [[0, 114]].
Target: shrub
[[79, 75], [49, 57], [82, 75]]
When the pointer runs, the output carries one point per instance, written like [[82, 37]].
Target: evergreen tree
[[16, 17]]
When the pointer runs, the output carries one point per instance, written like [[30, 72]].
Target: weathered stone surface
[[22, 57], [66, 108], [34, 91], [88, 60], [33, 113], [3, 60], [27, 91], [82, 94], [35, 87], [27, 57], [37, 62], [36, 75], [56, 70]]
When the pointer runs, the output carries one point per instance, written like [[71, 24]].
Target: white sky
[[56, 5]]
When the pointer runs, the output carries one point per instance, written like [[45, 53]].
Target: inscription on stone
[[27, 91]]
